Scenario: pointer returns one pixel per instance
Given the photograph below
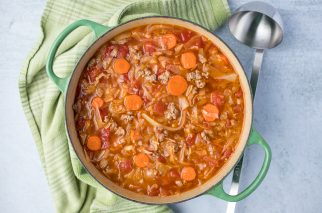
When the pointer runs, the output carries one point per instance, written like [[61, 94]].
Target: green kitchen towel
[[73, 189]]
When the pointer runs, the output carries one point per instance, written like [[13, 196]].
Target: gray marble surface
[[288, 113]]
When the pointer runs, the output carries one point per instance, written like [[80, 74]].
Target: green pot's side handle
[[63, 82], [218, 190]]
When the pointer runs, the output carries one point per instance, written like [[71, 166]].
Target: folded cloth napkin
[[73, 189]]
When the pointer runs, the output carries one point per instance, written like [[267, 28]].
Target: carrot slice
[[210, 112], [177, 85], [97, 102], [170, 40], [188, 173], [94, 143], [141, 160], [188, 60], [133, 102], [121, 65], [135, 135]]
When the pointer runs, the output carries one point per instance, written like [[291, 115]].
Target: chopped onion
[[183, 103], [182, 151], [208, 172], [150, 174], [162, 168], [172, 129], [189, 90], [99, 156], [123, 92], [151, 28], [146, 93], [191, 42], [190, 97], [194, 114], [122, 36], [198, 139], [146, 59], [86, 155], [97, 119], [229, 77], [173, 68], [138, 37], [228, 144], [164, 60], [130, 74], [162, 43], [178, 48], [171, 153]]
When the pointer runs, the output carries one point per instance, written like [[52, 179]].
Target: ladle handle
[[257, 64], [258, 59]]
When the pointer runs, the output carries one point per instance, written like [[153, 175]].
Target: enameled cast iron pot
[[213, 186]]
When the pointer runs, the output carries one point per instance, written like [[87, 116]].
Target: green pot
[[213, 186]]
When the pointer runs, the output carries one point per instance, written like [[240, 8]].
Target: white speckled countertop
[[288, 113]]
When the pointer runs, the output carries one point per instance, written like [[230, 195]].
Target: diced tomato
[[125, 166], [159, 108], [237, 108], [153, 190], [173, 174], [145, 99], [185, 36], [199, 43], [217, 99], [160, 70], [190, 140], [211, 161], [93, 73], [103, 80], [80, 123], [108, 50], [161, 159], [134, 88], [104, 112], [123, 50], [172, 68], [105, 134], [227, 153], [239, 93], [164, 192], [126, 78], [149, 48], [164, 181]]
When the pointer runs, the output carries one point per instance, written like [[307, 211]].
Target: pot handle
[[218, 190], [62, 82]]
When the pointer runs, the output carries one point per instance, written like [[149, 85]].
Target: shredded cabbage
[[172, 129]]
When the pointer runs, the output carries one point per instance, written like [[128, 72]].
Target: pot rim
[[244, 132]]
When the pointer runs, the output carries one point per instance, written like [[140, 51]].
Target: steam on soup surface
[[159, 110]]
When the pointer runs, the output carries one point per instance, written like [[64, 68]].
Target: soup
[[159, 110]]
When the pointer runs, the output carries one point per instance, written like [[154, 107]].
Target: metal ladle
[[260, 26]]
